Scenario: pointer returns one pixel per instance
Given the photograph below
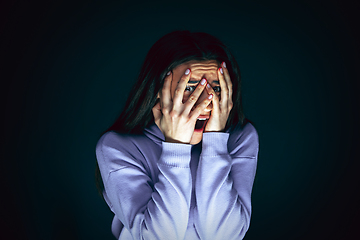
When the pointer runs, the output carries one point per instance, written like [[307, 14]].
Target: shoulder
[[244, 141], [120, 141], [110, 140], [116, 150]]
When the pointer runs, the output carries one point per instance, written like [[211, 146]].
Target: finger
[[200, 108], [227, 79], [165, 95], [224, 88], [157, 112], [215, 99], [195, 96], [179, 91]]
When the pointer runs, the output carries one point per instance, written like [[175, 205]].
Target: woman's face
[[199, 70]]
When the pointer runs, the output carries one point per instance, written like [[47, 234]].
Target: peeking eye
[[217, 89], [190, 88]]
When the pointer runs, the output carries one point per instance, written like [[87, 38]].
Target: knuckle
[[178, 91], [164, 110], [192, 99], [183, 79], [173, 114], [198, 110]]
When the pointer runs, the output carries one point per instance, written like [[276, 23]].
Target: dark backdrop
[[66, 71]]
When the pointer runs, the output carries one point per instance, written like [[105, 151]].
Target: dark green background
[[66, 71]]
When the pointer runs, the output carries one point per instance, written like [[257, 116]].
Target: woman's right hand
[[175, 119]]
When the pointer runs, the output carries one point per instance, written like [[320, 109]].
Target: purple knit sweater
[[160, 190]]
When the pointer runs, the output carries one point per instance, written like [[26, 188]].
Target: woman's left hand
[[221, 107]]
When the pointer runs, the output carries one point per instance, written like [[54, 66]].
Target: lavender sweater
[[161, 190]]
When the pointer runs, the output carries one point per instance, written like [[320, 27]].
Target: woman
[[180, 161]]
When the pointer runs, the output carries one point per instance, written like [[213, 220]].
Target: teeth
[[201, 118]]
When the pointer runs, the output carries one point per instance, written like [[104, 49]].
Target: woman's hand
[[175, 119], [221, 108]]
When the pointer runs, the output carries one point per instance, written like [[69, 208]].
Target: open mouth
[[200, 124]]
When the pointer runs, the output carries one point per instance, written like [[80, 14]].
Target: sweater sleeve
[[159, 212], [223, 186]]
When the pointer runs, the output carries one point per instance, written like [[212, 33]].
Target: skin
[[183, 99]]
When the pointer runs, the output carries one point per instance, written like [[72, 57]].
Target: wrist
[[171, 140], [215, 143], [176, 155], [209, 131]]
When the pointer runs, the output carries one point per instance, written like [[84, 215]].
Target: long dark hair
[[167, 53]]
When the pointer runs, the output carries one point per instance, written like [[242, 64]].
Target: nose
[[204, 95]]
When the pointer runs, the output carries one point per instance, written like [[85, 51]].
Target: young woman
[[180, 161]]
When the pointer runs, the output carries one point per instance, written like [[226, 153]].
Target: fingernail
[[208, 85], [224, 64], [203, 81], [210, 96], [168, 73], [187, 71], [221, 70]]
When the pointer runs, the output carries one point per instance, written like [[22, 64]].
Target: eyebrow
[[196, 81]]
